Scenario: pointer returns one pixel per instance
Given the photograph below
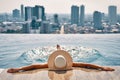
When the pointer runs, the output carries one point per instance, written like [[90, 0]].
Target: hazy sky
[[60, 6]]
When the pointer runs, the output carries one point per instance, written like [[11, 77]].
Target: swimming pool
[[24, 49]]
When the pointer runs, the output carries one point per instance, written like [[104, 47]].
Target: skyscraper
[[38, 11], [43, 13], [56, 19], [16, 13], [22, 11], [82, 15], [97, 20], [28, 13], [74, 15], [112, 13]]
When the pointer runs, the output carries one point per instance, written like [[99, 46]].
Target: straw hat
[[60, 60]]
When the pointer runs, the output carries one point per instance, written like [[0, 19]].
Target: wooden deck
[[75, 74]]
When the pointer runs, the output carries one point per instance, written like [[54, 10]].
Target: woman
[[74, 64]]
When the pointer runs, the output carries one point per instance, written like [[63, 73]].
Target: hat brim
[[51, 59]]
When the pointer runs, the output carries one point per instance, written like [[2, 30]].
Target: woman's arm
[[36, 66], [86, 65]]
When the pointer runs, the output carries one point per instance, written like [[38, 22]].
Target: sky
[[60, 6]]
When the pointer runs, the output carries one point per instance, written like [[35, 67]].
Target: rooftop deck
[[75, 74]]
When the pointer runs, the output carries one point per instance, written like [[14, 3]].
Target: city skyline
[[60, 6]]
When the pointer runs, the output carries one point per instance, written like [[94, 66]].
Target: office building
[[43, 13], [16, 13], [112, 14], [74, 15], [82, 15], [45, 27], [28, 13], [97, 20], [56, 19], [26, 27], [39, 12], [22, 11]]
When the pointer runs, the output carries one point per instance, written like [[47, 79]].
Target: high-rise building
[[56, 19], [82, 15], [28, 13], [74, 15], [43, 13], [103, 16], [45, 27], [26, 27], [39, 12], [22, 11], [97, 20], [112, 13], [16, 13]]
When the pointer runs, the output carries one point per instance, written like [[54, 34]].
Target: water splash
[[78, 53]]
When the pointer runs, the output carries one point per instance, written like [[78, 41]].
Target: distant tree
[[13, 31]]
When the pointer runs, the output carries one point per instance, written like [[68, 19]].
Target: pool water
[[24, 49]]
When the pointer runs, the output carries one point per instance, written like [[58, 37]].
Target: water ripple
[[78, 54]]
